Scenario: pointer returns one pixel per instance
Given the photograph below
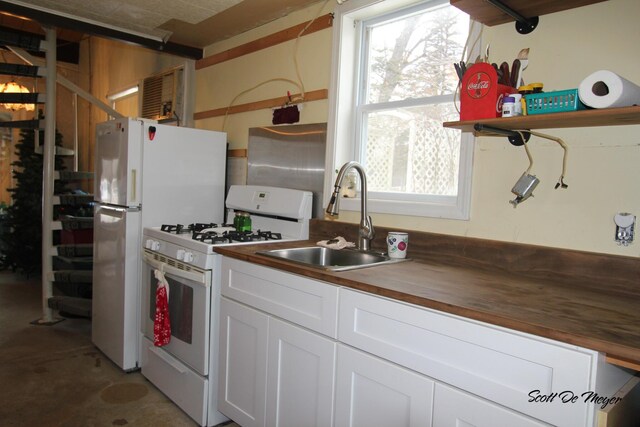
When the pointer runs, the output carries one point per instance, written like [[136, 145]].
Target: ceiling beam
[[58, 21]]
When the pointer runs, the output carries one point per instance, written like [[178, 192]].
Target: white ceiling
[[195, 23], [140, 16]]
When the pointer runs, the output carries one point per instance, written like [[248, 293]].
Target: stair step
[[73, 199], [22, 98], [71, 305], [20, 70], [23, 124], [76, 222], [72, 176], [79, 250], [72, 263], [60, 151], [73, 276], [22, 40]]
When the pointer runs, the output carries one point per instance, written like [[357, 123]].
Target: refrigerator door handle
[[112, 208]]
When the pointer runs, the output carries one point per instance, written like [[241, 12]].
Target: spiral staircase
[[66, 218]]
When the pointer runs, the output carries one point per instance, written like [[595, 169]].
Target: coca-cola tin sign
[[481, 95], [479, 85]]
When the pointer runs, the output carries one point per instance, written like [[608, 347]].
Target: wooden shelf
[[489, 15], [573, 119]]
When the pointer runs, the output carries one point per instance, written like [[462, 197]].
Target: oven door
[[189, 308]]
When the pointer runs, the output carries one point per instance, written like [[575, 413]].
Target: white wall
[[218, 85], [604, 162]]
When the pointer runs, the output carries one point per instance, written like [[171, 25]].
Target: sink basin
[[331, 259]]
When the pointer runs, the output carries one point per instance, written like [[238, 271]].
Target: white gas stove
[[185, 369], [277, 214]]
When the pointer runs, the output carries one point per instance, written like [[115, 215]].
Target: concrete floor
[[54, 376]]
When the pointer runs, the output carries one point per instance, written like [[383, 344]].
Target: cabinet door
[[455, 408], [243, 363], [372, 392], [300, 377]]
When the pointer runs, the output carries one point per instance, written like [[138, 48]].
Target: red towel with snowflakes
[[161, 322]]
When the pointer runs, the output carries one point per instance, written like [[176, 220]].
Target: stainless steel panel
[[290, 157]]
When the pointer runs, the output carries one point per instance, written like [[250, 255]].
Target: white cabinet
[[287, 340], [243, 363], [455, 408], [300, 377], [495, 363], [272, 372], [371, 392]]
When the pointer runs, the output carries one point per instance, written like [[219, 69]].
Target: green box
[[554, 102]]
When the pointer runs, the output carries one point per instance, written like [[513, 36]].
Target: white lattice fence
[[431, 165]]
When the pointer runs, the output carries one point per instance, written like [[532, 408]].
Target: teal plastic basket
[[554, 102]]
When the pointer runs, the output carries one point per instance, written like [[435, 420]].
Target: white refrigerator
[[146, 174]]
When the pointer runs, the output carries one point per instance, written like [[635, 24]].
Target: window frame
[[345, 115]]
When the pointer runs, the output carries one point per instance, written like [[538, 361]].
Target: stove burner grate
[[199, 226], [172, 228], [211, 237], [216, 238], [268, 235]]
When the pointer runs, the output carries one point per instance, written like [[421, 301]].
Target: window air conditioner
[[163, 95]]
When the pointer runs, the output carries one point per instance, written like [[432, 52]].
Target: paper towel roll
[[606, 89]]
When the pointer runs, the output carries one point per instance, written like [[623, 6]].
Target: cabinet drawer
[[183, 386], [500, 365], [309, 303]]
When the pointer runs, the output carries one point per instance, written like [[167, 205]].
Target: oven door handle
[[194, 275]]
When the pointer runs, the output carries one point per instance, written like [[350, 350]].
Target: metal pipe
[[523, 25], [48, 170], [515, 137], [506, 9], [75, 132]]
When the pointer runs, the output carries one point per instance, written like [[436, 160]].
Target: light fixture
[[13, 87]]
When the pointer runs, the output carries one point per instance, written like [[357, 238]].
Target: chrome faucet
[[366, 232]]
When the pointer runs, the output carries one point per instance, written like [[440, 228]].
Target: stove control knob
[[180, 254], [188, 257], [154, 245]]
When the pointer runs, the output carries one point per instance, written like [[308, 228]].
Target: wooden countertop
[[593, 317]]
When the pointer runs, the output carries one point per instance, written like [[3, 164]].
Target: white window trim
[[342, 96]]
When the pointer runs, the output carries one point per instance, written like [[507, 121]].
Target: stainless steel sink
[[331, 259]]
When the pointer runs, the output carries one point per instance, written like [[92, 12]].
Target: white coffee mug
[[397, 244]]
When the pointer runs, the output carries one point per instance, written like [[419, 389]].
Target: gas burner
[[172, 228], [199, 226], [210, 237], [268, 235], [240, 236]]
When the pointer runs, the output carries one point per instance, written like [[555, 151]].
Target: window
[[389, 116], [125, 101]]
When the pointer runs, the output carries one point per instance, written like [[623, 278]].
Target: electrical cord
[[565, 148], [299, 84]]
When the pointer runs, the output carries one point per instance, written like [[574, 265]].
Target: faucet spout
[[366, 230]]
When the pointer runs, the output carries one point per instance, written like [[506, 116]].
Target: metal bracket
[[523, 25], [515, 138]]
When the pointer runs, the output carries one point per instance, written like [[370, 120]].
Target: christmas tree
[[23, 236]]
